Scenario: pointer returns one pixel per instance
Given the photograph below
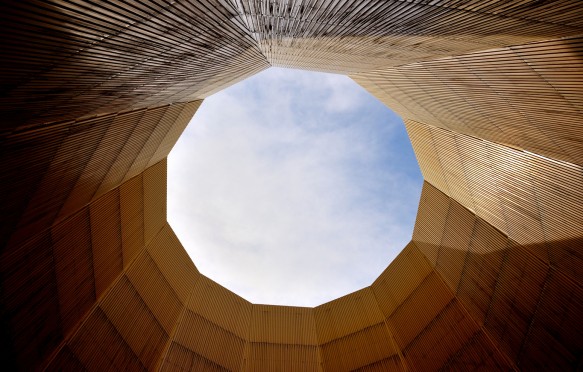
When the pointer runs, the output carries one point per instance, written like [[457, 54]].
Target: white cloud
[[283, 190]]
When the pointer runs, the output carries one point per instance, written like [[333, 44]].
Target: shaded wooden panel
[[559, 191], [25, 158], [157, 294], [154, 179], [30, 302], [515, 300], [66, 166], [106, 240], [283, 325], [282, 357], [400, 279], [138, 133], [65, 360], [443, 338], [117, 131], [100, 347], [135, 323], [479, 354], [210, 341], [131, 201], [176, 119], [86, 60], [151, 125], [392, 364], [554, 338], [182, 359], [73, 259]]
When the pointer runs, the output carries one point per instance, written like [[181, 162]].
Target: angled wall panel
[[95, 94]]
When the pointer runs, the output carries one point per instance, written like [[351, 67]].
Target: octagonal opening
[[293, 187]]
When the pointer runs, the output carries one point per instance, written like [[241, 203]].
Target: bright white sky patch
[[293, 187]]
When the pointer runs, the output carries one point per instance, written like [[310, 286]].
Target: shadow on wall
[[527, 298]]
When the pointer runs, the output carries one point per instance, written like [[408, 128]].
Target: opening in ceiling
[[293, 187]]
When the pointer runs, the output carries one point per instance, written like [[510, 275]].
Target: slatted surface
[[527, 96], [534, 200], [503, 286], [85, 58], [95, 94], [345, 36], [55, 170]]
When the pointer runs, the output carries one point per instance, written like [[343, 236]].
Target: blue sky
[[293, 187]]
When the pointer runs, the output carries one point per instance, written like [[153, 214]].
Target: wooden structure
[[93, 96]]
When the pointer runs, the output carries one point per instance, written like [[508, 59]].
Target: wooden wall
[[94, 95]]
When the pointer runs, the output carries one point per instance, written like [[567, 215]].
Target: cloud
[[285, 189]]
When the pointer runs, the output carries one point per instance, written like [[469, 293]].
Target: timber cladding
[[95, 94]]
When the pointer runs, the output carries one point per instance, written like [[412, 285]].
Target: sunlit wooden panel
[[447, 146], [94, 93], [221, 306], [174, 262], [346, 315], [430, 221], [559, 191], [455, 244], [481, 94], [368, 346], [427, 156], [519, 198]]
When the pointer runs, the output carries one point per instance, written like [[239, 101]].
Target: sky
[[293, 187]]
